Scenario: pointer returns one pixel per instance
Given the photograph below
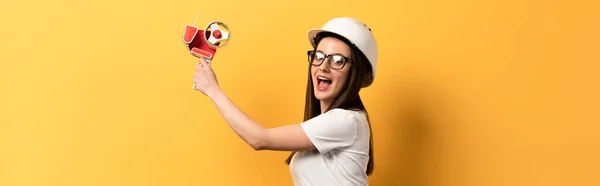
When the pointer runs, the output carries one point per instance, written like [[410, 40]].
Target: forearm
[[244, 126]]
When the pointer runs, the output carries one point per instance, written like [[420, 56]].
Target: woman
[[333, 146]]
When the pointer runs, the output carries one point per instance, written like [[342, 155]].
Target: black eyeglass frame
[[328, 57]]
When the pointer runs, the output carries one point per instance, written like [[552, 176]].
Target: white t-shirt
[[342, 140]]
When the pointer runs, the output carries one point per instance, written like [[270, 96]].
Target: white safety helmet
[[356, 32]]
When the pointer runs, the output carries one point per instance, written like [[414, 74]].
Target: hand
[[205, 79]]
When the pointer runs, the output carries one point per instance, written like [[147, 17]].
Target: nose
[[324, 66]]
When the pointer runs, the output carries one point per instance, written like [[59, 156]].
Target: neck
[[325, 105]]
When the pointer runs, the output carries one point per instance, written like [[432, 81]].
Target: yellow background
[[467, 92]]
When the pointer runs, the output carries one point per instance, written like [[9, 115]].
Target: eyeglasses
[[336, 61]]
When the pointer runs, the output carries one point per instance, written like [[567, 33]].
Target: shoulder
[[354, 116], [344, 117], [340, 112], [354, 119], [338, 118]]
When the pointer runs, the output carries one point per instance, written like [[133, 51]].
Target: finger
[[204, 63], [198, 66]]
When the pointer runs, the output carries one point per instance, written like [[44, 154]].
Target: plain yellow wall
[[467, 92]]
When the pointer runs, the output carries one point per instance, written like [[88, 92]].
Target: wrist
[[214, 93]]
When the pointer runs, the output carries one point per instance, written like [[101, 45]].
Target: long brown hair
[[359, 77]]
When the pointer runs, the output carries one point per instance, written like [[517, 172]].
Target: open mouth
[[323, 83]]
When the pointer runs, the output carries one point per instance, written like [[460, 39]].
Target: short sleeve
[[334, 129]]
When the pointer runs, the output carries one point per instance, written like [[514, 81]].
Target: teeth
[[322, 78]]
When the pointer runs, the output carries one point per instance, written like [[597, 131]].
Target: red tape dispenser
[[204, 43]]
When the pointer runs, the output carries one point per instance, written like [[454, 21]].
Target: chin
[[326, 95], [323, 96]]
